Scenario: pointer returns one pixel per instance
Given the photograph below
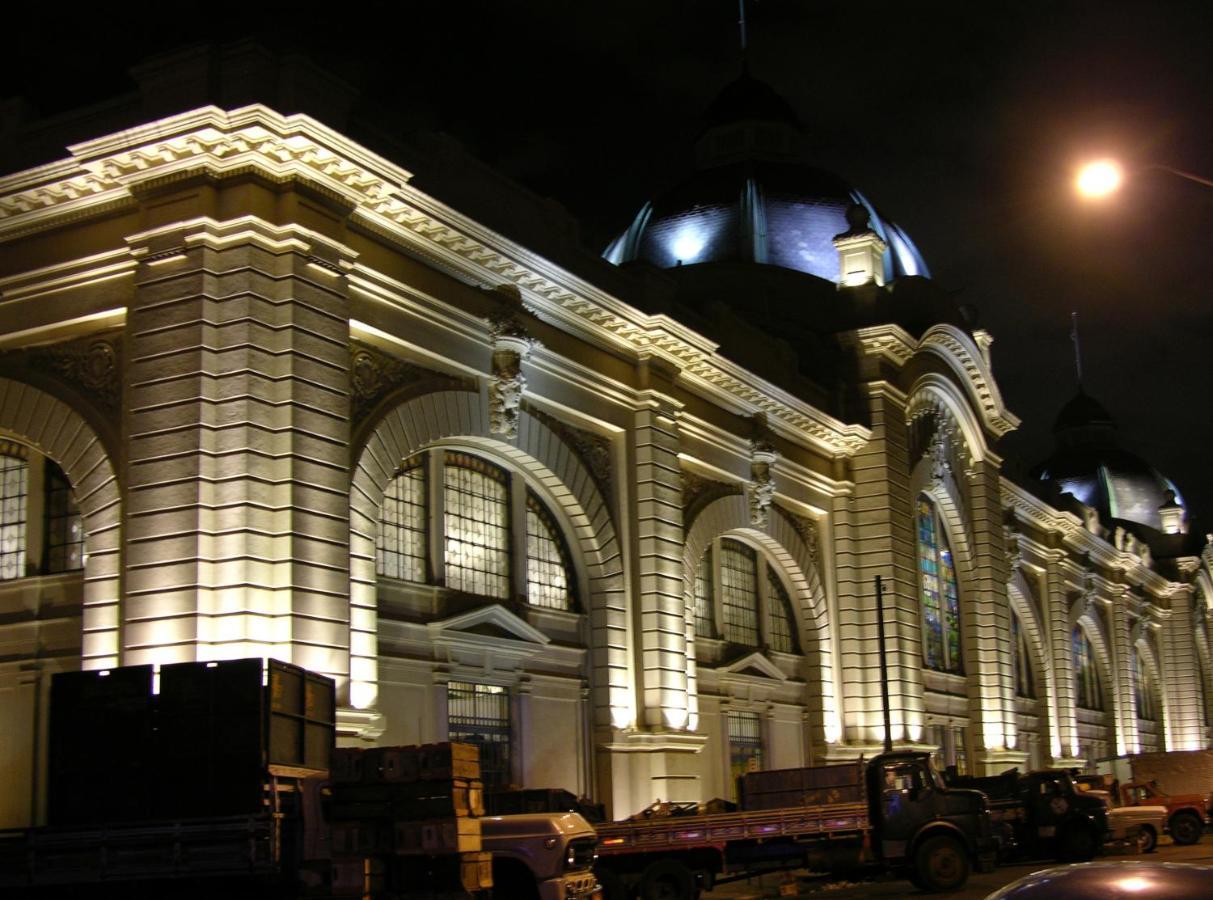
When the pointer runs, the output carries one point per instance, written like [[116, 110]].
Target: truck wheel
[[613, 887], [1147, 839], [1079, 844], [668, 879], [941, 864], [1186, 828]]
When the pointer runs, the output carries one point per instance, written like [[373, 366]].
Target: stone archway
[[781, 540], [543, 455], [62, 434]]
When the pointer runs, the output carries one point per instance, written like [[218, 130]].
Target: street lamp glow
[[1099, 178]]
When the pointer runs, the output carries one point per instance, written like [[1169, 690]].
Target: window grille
[[940, 595], [782, 621], [705, 616], [1021, 661], [1087, 688], [480, 714], [402, 544], [738, 593], [14, 481], [1143, 690], [548, 581], [476, 501], [745, 744], [64, 526]]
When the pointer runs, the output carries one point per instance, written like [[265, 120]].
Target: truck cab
[[1187, 814], [542, 856], [925, 827]]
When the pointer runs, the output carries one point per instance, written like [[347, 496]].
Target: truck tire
[[1147, 839], [668, 879], [941, 864], [1186, 828], [613, 885], [1079, 843]]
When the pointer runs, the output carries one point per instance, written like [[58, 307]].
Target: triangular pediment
[[495, 622], [754, 665]]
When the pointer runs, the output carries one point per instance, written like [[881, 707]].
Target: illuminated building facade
[[260, 394]]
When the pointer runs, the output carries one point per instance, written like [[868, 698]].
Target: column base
[[359, 724]]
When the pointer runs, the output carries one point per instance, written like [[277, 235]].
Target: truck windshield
[[934, 776]]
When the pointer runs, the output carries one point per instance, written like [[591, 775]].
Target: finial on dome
[[860, 249]]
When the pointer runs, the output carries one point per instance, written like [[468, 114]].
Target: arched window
[[1087, 690], [939, 593], [481, 508], [14, 486], [736, 587], [1144, 694], [1021, 661], [63, 540]]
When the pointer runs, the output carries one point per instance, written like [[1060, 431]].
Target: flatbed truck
[[893, 811]]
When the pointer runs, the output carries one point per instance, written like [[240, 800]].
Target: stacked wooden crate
[[405, 823]]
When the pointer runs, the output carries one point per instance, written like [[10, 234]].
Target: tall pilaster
[[1063, 743], [991, 691], [1120, 646], [237, 426], [659, 589], [883, 545], [1180, 673]]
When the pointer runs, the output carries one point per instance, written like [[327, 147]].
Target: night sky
[[961, 121]]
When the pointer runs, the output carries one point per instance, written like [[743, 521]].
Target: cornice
[[255, 139]]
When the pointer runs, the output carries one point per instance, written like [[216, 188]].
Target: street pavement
[[980, 885]]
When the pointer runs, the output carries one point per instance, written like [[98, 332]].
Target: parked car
[[1100, 880]]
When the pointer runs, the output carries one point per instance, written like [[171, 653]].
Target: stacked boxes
[[405, 822]]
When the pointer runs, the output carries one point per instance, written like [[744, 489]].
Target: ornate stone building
[[617, 521]]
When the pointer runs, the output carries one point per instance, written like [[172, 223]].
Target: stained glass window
[[781, 628], [480, 714], [477, 532], [402, 542], [705, 618], [745, 744], [939, 593], [14, 480], [739, 593], [547, 565], [64, 526], [1087, 689]]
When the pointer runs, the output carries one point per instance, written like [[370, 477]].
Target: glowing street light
[[1104, 176], [1099, 178]]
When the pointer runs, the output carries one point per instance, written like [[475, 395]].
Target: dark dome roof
[[753, 200], [1090, 464]]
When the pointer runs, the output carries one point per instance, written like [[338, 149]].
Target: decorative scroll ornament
[[374, 375], [698, 492], [1013, 549], [89, 366], [1089, 598], [762, 481], [807, 529], [594, 450], [511, 345]]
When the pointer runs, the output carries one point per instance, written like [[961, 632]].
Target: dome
[[753, 200], [1090, 464]]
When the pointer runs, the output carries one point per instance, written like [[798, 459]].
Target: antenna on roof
[[1077, 347]]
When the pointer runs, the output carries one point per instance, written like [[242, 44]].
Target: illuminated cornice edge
[[108, 171]]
